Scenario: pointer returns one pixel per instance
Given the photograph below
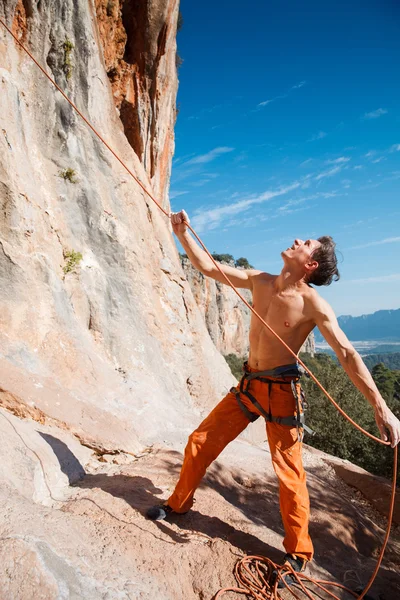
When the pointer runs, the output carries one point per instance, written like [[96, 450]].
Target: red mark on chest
[[287, 324]]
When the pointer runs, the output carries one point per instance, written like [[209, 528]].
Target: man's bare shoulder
[[261, 277], [315, 304]]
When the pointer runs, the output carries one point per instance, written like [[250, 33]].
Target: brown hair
[[325, 255]]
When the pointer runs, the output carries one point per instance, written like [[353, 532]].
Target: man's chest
[[282, 310]]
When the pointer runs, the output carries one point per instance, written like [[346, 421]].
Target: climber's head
[[316, 259]]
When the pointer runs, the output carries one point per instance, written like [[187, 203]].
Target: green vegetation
[[390, 360], [73, 259], [68, 47], [244, 263], [180, 22], [179, 25], [336, 435], [225, 258], [333, 433], [388, 383], [235, 364], [68, 175], [228, 258], [178, 60]]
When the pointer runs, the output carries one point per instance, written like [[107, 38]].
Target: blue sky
[[289, 126]]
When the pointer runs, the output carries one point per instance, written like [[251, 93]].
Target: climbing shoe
[[159, 513], [298, 565]]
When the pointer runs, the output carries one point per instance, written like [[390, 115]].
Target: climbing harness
[[253, 572], [284, 375]]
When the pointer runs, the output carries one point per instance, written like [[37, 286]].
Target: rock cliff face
[[98, 326], [139, 49], [226, 317]]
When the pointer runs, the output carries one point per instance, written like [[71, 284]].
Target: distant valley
[[377, 332]]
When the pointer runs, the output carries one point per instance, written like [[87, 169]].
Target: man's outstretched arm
[[241, 278], [355, 368]]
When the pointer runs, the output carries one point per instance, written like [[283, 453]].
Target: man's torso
[[289, 314]]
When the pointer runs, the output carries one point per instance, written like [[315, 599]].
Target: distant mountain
[[383, 325]]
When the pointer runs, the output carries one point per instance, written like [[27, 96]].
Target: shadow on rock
[[214, 527], [139, 492], [69, 464]]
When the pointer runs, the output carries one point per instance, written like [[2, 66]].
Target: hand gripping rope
[[255, 573]]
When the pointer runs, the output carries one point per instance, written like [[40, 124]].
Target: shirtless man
[[270, 387]]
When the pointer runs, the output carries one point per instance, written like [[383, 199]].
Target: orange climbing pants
[[223, 425]]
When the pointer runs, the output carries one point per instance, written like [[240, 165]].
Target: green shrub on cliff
[[68, 66], [243, 263], [72, 261], [334, 434], [235, 364]]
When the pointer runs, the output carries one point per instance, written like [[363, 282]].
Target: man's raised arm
[[241, 278], [355, 368]]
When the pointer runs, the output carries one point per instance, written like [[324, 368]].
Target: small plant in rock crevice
[[68, 175], [68, 47], [179, 24], [72, 261], [178, 60]]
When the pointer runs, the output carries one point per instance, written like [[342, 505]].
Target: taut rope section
[[265, 588]]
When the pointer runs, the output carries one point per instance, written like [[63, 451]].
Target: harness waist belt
[[294, 372]]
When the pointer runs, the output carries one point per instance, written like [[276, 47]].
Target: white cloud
[[329, 195], [206, 111], [358, 167], [375, 114], [378, 279], [328, 173], [306, 162], [370, 153], [360, 222], [281, 96], [394, 175], [378, 160], [317, 136], [291, 203], [395, 148], [210, 219], [174, 194], [298, 86], [212, 155], [337, 161], [390, 240], [266, 102]]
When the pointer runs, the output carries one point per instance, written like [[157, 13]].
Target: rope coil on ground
[[258, 590]]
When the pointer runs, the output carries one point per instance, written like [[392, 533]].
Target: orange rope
[[370, 435]]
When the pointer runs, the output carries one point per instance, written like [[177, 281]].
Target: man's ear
[[311, 266]]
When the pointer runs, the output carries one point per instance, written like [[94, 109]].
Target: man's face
[[300, 253]]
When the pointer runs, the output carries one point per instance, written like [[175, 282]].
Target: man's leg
[[221, 426], [286, 453]]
